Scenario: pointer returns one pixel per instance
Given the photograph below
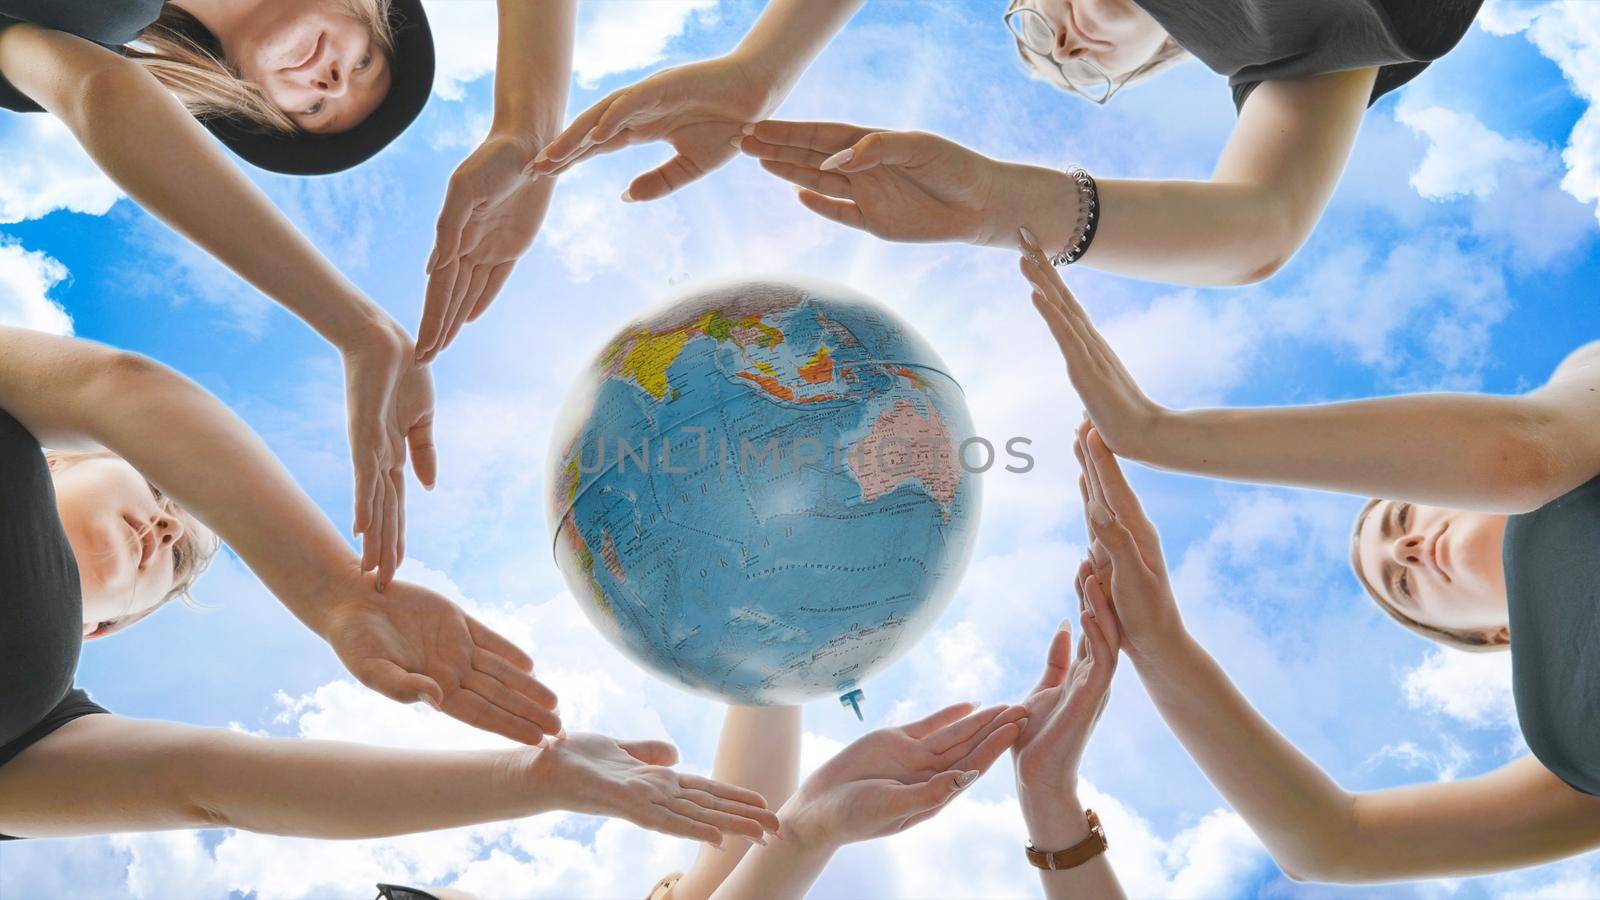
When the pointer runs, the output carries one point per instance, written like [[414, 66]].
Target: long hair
[[1470, 641], [208, 85]]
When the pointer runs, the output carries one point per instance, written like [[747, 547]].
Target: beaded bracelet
[[1088, 219]]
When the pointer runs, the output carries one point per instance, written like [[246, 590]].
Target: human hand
[[698, 109], [389, 404], [1065, 705], [492, 212], [893, 778], [411, 644], [1125, 551], [597, 775], [897, 185], [1125, 418]]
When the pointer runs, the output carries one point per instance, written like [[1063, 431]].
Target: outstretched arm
[[1269, 189], [759, 750], [1519, 815], [1468, 451], [144, 140], [408, 643], [104, 773]]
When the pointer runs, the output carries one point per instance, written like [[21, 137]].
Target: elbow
[[101, 95], [1530, 466], [116, 377]]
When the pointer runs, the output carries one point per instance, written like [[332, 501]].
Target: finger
[[957, 757], [572, 138], [765, 818], [625, 139], [630, 102], [914, 800], [371, 546], [465, 276], [424, 455], [880, 148], [496, 643], [491, 290], [844, 212], [652, 753], [934, 721], [664, 820], [724, 822], [991, 748], [963, 729], [721, 789], [513, 702], [830, 183], [1118, 496], [1058, 659], [435, 303], [516, 679], [453, 217], [670, 176], [397, 684], [475, 710], [824, 137], [393, 503], [795, 156], [469, 300], [1101, 611]]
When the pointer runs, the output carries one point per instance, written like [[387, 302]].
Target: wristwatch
[[1077, 854]]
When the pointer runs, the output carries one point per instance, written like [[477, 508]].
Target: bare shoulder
[[1581, 366]]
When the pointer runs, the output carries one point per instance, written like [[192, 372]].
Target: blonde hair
[[209, 86], [1169, 54], [1470, 641], [201, 552]]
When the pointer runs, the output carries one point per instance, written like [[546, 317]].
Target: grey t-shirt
[[1552, 562], [110, 23], [1252, 41]]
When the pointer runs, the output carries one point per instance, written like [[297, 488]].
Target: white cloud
[[26, 279], [1464, 156], [46, 170], [464, 36], [1569, 34], [624, 36], [1472, 688]]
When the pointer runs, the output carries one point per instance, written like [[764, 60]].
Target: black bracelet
[[1089, 221]]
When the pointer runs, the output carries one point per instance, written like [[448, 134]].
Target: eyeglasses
[[1083, 77]]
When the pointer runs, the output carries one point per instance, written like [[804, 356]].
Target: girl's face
[[314, 60], [1115, 35], [132, 545], [1441, 567]]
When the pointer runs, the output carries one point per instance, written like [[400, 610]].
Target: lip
[[1438, 552], [312, 56], [144, 538]]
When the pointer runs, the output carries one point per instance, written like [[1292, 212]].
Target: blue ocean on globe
[[756, 490]]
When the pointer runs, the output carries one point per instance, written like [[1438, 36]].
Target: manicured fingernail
[[1022, 724], [627, 196], [966, 778], [747, 129], [837, 160], [736, 143], [589, 138], [1027, 237], [1099, 513]]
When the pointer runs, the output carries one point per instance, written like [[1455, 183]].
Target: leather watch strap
[[1091, 846]]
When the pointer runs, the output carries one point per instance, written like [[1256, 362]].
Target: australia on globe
[[757, 490]]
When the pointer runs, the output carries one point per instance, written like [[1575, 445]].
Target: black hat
[[411, 80]]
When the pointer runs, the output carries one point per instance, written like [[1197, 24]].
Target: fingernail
[[747, 129], [589, 138], [1099, 513], [736, 143], [541, 156], [1028, 237], [966, 778], [627, 196], [837, 160]]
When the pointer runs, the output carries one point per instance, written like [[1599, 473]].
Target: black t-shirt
[[41, 606], [110, 23], [1252, 41], [1552, 561]]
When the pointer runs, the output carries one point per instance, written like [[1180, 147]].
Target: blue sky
[[1460, 252]]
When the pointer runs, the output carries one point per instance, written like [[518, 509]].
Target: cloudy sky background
[[1459, 253]]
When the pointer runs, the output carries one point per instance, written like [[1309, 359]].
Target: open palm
[[413, 645]]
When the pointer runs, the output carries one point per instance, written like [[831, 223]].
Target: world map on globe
[[756, 490]]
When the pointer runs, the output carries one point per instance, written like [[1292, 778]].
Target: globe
[[757, 490]]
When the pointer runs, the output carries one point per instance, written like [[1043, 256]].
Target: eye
[[1405, 515], [365, 61], [313, 109], [1405, 584], [180, 555]]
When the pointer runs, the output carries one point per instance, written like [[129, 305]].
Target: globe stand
[[853, 700]]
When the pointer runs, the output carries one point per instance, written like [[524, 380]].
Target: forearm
[[1297, 811], [784, 869], [105, 774], [1468, 451], [759, 749], [145, 142], [788, 36], [1056, 823], [533, 67]]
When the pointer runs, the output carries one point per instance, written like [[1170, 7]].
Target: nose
[[330, 79], [1408, 550], [1067, 46], [168, 529]]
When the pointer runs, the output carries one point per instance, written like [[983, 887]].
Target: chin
[[1475, 540]]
